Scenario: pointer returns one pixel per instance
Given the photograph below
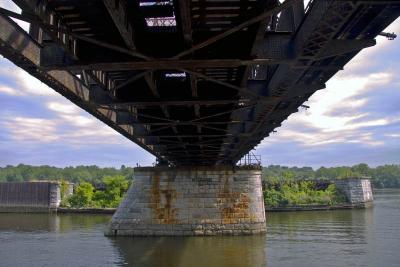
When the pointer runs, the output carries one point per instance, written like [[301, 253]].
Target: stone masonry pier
[[358, 191], [186, 201]]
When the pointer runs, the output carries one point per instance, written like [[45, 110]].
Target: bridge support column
[[189, 201]]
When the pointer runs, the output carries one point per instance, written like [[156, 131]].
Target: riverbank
[[267, 209], [344, 206], [87, 210]]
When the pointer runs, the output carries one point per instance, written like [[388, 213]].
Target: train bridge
[[197, 83]]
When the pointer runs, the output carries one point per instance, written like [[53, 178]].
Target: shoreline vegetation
[[284, 188], [283, 193], [108, 194]]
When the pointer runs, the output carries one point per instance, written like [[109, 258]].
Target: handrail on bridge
[[250, 159]]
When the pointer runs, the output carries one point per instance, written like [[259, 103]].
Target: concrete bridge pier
[[192, 201]]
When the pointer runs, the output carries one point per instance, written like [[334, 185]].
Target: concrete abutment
[[185, 201]]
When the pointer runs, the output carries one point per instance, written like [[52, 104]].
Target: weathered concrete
[[191, 201], [358, 191], [29, 196]]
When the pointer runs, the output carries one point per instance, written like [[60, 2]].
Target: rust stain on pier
[[162, 201], [235, 205]]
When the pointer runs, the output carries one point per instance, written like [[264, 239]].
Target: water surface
[[322, 238]]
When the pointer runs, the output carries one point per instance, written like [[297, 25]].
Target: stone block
[[195, 201]]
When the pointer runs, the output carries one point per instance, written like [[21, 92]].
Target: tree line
[[91, 174], [386, 176]]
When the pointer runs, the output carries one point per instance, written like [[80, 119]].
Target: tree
[[362, 168], [82, 196], [116, 186], [64, 190]]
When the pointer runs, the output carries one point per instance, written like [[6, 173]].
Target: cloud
[[55, 141], [85, 125], [10, 91], [343, 93], [63, 108], [336, 114], [32, 129], [37, 115], [20, 83], [30, 85], [393, 135], [40, 131]]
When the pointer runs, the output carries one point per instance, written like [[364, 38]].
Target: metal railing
[[250, 159]]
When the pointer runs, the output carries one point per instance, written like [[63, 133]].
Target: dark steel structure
[[194, 82]]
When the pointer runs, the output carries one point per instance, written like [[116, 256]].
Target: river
[[322, 238]]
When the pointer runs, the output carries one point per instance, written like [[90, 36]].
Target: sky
[[355, 119]]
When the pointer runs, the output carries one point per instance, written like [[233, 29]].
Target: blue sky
[[355, 119]]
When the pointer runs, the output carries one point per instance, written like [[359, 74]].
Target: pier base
[[357, 190], [188, 201]]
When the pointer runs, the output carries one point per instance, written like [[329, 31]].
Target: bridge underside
[[192, 82]]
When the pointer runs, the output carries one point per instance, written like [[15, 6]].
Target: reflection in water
[[49, 222], [324, 238], [55, 240], [244, 251], [341, 226], [337, 238], [83, 222], [27, 222]]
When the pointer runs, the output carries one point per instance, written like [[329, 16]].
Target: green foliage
[[116, 182], [92, 174], [382, 176], [85, 194], [116, 186], [274, 198], [283, 185], [297, 193], [286, 186], [64, 189], [387, 176]]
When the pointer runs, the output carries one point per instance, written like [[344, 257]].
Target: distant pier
[[41, 196]]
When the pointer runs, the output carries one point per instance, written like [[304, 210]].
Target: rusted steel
[[206, 87], [162, 64], [118, 12], [247, 23]]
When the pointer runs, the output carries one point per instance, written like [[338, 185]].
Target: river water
[[325, 238]]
